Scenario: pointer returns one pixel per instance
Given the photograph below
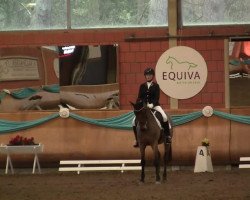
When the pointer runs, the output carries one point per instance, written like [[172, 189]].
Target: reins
[[139, 109]]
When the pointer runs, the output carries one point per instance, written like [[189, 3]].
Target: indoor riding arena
[[70, 76]]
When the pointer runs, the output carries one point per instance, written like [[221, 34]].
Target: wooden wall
[[72, 139]]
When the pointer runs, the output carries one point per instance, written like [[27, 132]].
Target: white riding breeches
[[163, 114], [160, 110], [133, 122]]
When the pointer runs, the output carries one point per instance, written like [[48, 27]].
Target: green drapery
[[120, 122], [12, 126], [24, 93], [2, 95], [237, 62], [185, 118], [236, 118], [52, 88], [123, 121], [28, 92]]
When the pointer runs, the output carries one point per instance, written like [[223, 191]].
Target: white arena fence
[[244, 162], [99, 165]]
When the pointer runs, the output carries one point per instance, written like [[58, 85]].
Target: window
[[33, 14], [113, 13], [81, 14], [214, 12]]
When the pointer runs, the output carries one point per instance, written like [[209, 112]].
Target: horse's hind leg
[[166, 158], [143, 163], [165, 163]]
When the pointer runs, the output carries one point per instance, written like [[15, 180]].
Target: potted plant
[[19, 140], [205, 142]]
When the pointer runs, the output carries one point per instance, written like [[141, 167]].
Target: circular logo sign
[[181, 72]]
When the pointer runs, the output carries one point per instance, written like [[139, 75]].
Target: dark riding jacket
[[151, 94]]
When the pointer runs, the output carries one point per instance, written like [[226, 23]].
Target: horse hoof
[[141, 182], [158, 182]]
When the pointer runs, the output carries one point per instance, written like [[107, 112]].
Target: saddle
[[157, 116]]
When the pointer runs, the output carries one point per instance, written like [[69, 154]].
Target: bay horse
[[149, 133]]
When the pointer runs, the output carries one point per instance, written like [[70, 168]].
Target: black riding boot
[[167, 132], [135, 133]]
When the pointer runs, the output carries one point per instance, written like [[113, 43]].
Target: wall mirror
[[239, 73], [49, 77]]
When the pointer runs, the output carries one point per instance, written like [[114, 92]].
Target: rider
[[149, 93]]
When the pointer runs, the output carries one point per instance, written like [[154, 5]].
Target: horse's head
[[140, 111], [170, 61]]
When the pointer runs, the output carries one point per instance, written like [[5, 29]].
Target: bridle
[[145, 123]]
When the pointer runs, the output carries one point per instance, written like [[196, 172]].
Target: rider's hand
[[150, 105]]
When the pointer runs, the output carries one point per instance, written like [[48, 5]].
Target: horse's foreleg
[[165, 162], [157, 163], [143, 163]]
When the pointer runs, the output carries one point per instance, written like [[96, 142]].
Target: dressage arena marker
[[203, 161], [85, 165], [245, 165]]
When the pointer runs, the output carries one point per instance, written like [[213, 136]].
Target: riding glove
[[150, 105]]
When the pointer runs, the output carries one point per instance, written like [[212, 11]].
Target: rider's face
[[149, 77]]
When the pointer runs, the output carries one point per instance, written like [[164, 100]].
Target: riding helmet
[[149, 71]]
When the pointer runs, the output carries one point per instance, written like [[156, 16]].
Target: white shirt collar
[[149, 83]]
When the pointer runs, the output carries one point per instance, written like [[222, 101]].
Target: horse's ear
[[138, 101], [132, 103]]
